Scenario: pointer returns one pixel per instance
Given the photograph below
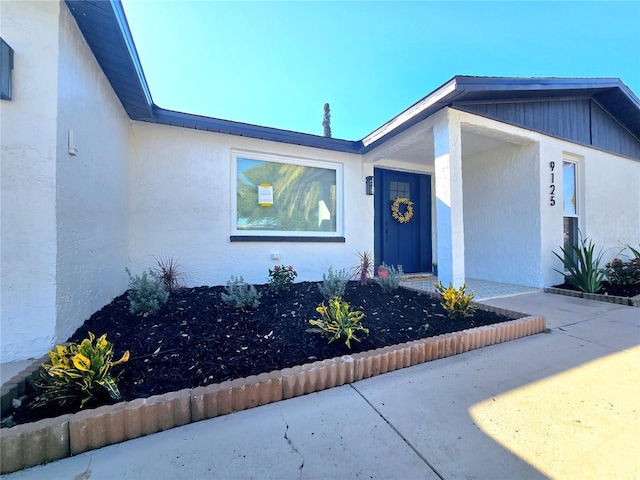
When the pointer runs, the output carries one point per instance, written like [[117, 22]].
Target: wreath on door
[[408, 210]]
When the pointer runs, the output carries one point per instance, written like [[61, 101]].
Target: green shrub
[[455, 301], [76, 373], [625, 272], [281, 277], [168, 271], [240, 294], [389, 277], [333, 284], [146, 293], [583, 266], [338, 322]]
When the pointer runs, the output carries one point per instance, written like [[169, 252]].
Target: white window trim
[[577, 161], [307, 162]]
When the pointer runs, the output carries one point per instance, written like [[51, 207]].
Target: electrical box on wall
[[6, 65]]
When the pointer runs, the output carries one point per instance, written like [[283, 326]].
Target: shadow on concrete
[[546, 405]]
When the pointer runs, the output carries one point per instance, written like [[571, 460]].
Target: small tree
[[326, 121]]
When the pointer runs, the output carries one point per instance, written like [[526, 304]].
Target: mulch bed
[[608, 289], [196, 339]]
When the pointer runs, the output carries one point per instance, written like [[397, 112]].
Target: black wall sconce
[[370, 188]]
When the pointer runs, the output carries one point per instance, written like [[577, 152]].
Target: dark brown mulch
[[608, 289], [196, 339]]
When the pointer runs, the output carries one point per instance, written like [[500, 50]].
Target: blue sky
[[277, 63]]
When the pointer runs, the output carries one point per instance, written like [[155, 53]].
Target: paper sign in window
[[265, 195]]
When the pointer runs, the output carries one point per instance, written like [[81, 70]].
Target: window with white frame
[[280, 196], [570, 205]]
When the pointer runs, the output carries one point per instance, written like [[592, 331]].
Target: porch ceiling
[[414, 146], [476, 140], [417, 148]]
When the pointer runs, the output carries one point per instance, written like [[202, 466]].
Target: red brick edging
[[39, 442]]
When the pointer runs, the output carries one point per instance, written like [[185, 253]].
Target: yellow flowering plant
[[456, 301], [79, 372], [337, 321]]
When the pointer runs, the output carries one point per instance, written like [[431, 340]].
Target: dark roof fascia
[[629, 94], [229, 127], [440, 98], [123, 25], [104, 25], [611, 93], [106, 30], [469, 83]]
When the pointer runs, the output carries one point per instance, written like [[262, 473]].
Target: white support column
[[448, 179]]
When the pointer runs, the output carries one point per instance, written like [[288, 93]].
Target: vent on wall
[[6, 65]]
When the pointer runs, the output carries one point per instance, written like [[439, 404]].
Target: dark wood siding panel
[[610, 135], [582, 121], [561, 118]]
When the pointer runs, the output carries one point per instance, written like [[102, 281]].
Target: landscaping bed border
[[51, 439], [629, 301]]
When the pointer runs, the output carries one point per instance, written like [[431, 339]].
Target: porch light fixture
[[370, 188]]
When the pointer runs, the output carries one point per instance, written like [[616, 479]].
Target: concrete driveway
[[560, 405]]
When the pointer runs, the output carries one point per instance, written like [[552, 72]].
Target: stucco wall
[[511, 228], [501, 215], [611, 201], [92, 186], [608, 202], [28, 137], [180, 190]]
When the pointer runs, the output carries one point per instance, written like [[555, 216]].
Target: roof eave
[[131, 87], [229, 127], [461, 86], [104, 25], [123, 25]]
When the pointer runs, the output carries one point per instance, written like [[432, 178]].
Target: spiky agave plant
[[583, 265]]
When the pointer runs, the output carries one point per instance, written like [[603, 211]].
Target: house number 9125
[[552, 185]]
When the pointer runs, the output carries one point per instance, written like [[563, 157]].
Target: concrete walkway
[[482, 289], [10, 369], [560, 405]]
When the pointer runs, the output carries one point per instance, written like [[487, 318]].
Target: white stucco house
[[97, 178]]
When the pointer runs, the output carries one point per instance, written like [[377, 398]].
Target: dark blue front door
[[403, 241]]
